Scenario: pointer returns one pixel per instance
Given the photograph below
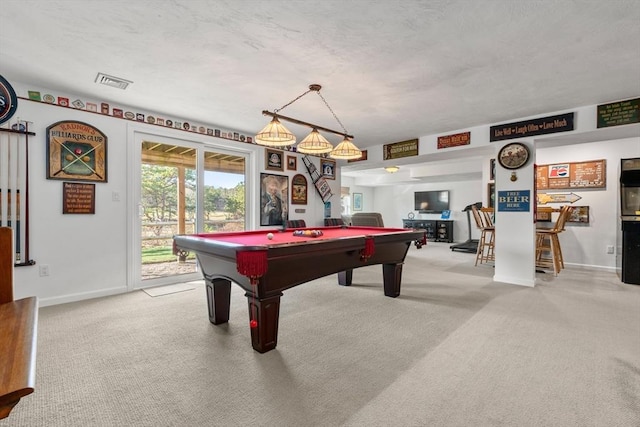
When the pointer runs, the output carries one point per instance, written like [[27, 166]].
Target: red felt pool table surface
[[265, 267], [259, 238]]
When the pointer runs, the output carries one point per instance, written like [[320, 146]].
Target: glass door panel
[[167, 207], [172, 201], [224, 193]]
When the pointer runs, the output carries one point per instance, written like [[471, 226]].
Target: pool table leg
[[218, 300], [392, 276], [345, 277], [266, 311]]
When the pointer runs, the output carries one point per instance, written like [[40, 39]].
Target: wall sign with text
[[78, 198], [514, 201], [619, 113], [76, 151], [571, 175], [455, 140], [8, 100], [400, 149], [540, 126]]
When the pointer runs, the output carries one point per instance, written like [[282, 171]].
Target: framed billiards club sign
[[76, 151]]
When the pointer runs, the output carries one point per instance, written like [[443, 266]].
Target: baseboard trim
[[514, 281], [590, 267], [44, 302]]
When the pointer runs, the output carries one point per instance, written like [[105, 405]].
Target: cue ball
[[269, 236]]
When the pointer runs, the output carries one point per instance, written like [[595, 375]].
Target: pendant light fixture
[[275, 134]]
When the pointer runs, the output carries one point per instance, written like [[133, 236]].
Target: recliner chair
[[367, 219]]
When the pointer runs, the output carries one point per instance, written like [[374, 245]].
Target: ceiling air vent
[[117, 82]]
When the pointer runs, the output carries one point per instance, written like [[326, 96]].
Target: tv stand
[[437, 230]]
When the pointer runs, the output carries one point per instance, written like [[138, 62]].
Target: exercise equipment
[[471, 245]]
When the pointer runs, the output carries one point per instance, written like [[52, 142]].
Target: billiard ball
[[269, 236]]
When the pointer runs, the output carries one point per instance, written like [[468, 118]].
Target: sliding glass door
[[167, 207], [184, 187]]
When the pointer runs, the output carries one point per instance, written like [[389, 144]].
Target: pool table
[[264, 267]]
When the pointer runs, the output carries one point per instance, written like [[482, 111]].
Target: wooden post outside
[[182, 256]]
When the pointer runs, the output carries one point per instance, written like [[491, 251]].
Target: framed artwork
[[274, 160], [543, 216], [323, 187], [491, 195], [579, 214], [328, 168], [274, 200], [292, 163], [299, 190], [76, 151], [357, 201], [492, 169], [363, 157]]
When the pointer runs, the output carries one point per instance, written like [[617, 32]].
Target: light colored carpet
[[455, 349], [168, 289]]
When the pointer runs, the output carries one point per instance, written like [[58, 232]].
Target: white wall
[[394, 203], [88, 255], [585, 244]]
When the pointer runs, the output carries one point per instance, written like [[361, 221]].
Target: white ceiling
[[390, 70]]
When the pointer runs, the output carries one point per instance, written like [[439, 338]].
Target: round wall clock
[[411, 215], [8, 100], [513, 155]]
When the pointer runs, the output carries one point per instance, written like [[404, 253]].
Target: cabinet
[[438, 230], [631, 251]]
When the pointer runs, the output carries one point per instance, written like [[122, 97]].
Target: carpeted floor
[[455, 349], [159, 291]]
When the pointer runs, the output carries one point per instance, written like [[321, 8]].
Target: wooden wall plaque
[[78, 198], [619, 113], [572, 175], [455, 140]]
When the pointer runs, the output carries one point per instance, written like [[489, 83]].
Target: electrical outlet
[[609, 249], [44, 270]]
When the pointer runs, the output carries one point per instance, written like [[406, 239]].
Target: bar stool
[[486, 243], [547, 241]]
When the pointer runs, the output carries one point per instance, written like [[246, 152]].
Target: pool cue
[[26, 261]]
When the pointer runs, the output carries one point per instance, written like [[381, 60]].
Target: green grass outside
[[160, 254]]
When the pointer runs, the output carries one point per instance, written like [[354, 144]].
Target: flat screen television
[[431, 201]]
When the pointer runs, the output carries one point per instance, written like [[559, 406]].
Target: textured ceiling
[[391, 70]]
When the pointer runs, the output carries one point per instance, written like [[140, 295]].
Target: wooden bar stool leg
[[554, 255], [480, 249], [561, 259], [490, 252]]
